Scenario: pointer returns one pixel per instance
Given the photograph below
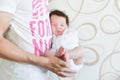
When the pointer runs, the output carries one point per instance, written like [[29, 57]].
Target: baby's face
[[58, 24]]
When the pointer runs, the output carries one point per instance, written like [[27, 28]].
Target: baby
[[62, 36]]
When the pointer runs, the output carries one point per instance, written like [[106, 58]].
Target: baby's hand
[[78, 61], [62, 54], [77, 55]]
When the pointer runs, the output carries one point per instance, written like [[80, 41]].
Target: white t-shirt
[[29, 29], [69, 40]]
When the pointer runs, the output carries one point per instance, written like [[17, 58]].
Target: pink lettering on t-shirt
[[48, 27], [32, 28], [36, 3], [37, 48], [40, 27]]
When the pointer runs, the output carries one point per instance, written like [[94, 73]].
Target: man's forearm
[[12, 52]]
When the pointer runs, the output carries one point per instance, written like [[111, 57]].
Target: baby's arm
[[76, 55], [60, 53]]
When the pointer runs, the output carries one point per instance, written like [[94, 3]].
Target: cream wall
[[98, 22]]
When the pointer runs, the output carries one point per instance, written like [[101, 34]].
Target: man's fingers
[[66, 72]]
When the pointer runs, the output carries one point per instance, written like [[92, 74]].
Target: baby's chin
[[59, 33]]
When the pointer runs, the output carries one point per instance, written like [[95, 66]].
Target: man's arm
[[7, 49], [12, 52]]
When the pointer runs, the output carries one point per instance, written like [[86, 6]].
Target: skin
[[49, 62], [58, 24]]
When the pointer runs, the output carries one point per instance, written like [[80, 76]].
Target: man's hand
[[58, 64]]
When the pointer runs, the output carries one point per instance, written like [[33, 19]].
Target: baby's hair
[[61, 14]]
